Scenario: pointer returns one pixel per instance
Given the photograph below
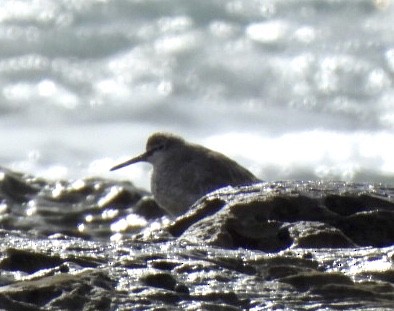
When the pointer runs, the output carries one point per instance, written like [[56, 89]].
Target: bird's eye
[[160, 147]]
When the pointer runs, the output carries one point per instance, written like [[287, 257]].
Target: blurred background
[[292, 89]]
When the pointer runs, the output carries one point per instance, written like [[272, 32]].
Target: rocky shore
[[99, 244]]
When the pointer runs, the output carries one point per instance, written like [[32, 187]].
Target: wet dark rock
[[16, 187], [308, 234], [330, 291], [351, 204], [229, 298], [211, 276], [211, 230], [7, 303], [386, 276], [21, 260], [234, 264], [306, 281], [64, 268], [36, 296], [132, 264], [281, 271], [270, 236], [206, 208], [297, 207], [81, 245], [273, 221], [125, 196], [148, 208], [260, 217], [64, 291], [158, 297], [164, 264], [182, 289], [218, 306], [290, 260], [84, 261], [373, 228], [160, 280]]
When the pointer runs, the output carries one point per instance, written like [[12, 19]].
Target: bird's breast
[[171, 191]]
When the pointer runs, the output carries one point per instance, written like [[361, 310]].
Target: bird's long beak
[[140, 158]]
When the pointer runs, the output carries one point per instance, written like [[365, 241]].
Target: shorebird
[[184, 172]]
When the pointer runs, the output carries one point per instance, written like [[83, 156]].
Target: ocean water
[[291, 89]]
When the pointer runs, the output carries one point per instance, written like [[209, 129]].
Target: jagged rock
[[270, 219]]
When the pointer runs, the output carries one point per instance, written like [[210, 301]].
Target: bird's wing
[[211, 170]]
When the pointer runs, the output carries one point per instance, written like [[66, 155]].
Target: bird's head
[[157, 146]]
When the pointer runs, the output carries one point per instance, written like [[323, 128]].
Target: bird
[[184, 172]]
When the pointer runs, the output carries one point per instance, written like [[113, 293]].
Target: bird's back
[[215, 170]]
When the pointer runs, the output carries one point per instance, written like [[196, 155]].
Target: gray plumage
[[184, 172]]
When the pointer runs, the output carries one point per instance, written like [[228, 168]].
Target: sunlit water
[[291, 89]]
